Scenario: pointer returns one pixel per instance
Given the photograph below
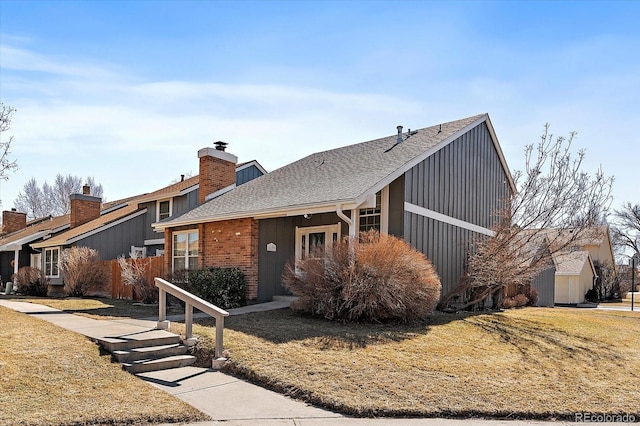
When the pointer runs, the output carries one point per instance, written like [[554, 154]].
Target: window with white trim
[[371, 218], [163, 209], [376, 217], [138, 252], [185, 250], [52, 262]]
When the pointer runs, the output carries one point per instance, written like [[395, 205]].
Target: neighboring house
[[124, 227], [575, 267], [18, 234], [436, 187]]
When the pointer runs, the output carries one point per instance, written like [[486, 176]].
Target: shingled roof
[[322, 180], [36, 229]]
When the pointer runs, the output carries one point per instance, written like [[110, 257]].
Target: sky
[[128, 91]]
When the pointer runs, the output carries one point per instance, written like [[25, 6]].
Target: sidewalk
[[226, 399]]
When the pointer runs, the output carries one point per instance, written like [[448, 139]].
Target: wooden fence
[[154, 267]]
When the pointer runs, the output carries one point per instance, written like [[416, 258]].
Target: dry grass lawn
[[526, 363], [51, 376], [103, 309]]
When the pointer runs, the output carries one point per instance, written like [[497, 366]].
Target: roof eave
[[264, 214]]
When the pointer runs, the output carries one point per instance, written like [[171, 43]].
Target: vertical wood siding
[[464, 180], [545, 283], [245, 175], [117, 240], [281, 231]]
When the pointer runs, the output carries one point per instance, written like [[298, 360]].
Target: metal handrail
[[190, 301]]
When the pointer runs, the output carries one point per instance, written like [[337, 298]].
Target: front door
[[313, 240]]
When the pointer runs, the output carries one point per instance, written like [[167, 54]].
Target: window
[[376, 217], [185, 250], [51, 259], [138, 252], [372, 218], [313, 239], [163, 209]]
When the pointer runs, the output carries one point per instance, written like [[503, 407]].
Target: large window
[[185, 250], [163, 209], [51, 262]]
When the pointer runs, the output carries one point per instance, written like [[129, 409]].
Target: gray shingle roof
[[338, 175]]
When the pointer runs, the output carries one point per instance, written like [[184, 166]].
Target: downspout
[[348, 220]]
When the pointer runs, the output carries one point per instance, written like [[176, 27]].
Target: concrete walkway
[[226, 399]]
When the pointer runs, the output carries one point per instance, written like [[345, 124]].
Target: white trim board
[[422, 211]]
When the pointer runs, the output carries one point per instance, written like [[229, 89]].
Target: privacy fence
[[153, 267]]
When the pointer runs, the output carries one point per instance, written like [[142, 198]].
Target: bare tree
[[6, 164], [626, 229], [555, 209], [52, 199]]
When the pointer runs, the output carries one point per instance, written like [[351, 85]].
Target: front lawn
[[526, 363], [51, 376]]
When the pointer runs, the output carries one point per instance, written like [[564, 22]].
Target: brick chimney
[[217, 170], [84, 207], [13, 221]]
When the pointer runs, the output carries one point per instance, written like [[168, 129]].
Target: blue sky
[[128, 91]]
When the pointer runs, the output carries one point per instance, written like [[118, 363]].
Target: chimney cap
[[86, 189], [220, 146]]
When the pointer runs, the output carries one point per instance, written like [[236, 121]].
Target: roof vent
[[221, 146], [399, 134]]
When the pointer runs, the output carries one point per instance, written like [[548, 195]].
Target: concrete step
[[145, 365], [149, 352], [138, 340]]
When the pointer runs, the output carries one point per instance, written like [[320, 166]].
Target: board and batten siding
[[465, 181], [282, 232], [118, 239], [545, 284], [247, 174]]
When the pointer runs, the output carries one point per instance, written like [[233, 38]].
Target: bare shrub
[[82, 270], [379, 278], [31, 281], [134, 273], [533, 296], [517, 301]]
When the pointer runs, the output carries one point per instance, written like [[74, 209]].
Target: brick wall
[[13, 221], [228, 243], [232, 243], [215, 173], [84, 208]]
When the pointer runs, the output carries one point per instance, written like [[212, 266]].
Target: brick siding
[[224, 244], [84, 208]]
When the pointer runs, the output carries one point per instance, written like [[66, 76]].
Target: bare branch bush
[[31, 281], [134, 274], [82, 270], [556, 208], [379, 278]]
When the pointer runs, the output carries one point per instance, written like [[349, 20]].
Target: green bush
[[31, 282], [224, 287], [380, 278]]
